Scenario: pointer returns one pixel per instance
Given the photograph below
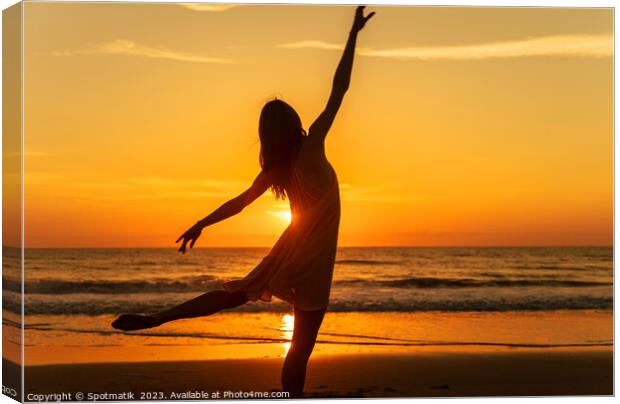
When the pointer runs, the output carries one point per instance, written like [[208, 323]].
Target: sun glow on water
[[286, 328]]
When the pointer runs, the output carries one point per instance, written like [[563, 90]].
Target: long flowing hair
[[281, 135]]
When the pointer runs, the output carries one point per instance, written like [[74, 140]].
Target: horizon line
[[339, 247]]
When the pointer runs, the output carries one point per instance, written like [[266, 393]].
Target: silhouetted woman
[[299, 267]]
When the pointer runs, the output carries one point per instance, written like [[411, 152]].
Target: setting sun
[[284, 215]]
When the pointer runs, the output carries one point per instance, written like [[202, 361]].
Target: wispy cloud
[[126, 47], [579, 45], [208, 7], [311, 44]]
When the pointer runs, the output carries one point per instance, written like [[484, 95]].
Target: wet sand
[[535, 372]]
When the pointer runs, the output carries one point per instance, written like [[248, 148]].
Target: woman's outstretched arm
[[320, 127], [226, 210]]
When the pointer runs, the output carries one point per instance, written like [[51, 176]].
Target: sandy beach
[[421, 374]]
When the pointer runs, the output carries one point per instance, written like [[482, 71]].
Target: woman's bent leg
[[305, 331], [203, 305]]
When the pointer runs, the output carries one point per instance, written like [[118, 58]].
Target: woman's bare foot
[[132, 322]]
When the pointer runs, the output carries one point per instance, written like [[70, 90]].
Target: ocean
[[73, 294]]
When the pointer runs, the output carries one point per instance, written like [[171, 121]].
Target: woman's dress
[[299, 267]]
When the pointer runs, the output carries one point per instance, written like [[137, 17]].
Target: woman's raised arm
[[226, 210], [320, 127]]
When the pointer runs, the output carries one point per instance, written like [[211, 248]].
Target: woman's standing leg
[[305, 331]]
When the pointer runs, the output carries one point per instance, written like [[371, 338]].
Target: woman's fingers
[[184, 235], [189, 236], [360, 19], [191, 241], [359, 13]]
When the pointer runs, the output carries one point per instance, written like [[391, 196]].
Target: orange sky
[[462, 126]]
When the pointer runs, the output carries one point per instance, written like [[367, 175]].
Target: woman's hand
[[191, 236], [360, 21]]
